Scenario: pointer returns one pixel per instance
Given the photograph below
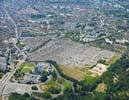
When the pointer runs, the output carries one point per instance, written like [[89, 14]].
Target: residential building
[[3, 64]]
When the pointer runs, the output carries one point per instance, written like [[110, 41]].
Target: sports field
[[27, 67]]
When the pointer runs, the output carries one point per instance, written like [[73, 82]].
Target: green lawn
[[27, 67], [90, 79], [67, 85], [48, 85]]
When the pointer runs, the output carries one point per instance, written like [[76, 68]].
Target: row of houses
[[5, 61], [119, 41], [3, 64]]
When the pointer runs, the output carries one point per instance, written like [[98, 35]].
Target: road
[[5, 80]]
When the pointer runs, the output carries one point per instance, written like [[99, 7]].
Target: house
[[3, 63], [122, 41], [108, 41]]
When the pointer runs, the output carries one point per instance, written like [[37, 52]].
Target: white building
[[40, 67], [122, 41], [108, 41]]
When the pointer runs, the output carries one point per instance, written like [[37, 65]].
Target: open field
[[27, 67], [80, 74], [114, 59], [69, 53], [72, 72], [19, 88]]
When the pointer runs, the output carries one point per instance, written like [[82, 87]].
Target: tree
[[54, 90], [34, 88], [46, 95], [16, 96], [44, 76], [54, 75]]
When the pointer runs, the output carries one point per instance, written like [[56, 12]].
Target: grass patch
[[90, 79], [73, 73], [55, 87], [114, 59], [79, 74], [48, 85], [27, 67], [84, 69], [67, 85]]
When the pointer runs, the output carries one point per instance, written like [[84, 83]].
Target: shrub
[[34, 88], [54, 90], [46, 95]]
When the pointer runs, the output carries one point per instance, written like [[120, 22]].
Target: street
[[6, 78]]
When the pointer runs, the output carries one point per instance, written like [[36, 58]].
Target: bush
[[46, 95], [34, 88], [26, 95], [102, 61], [44, 76], [54, 75], [16, 96], [54, 90], [37, 94]]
